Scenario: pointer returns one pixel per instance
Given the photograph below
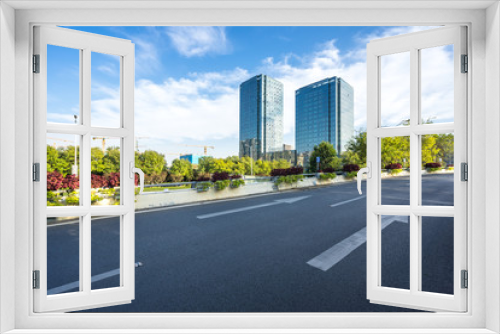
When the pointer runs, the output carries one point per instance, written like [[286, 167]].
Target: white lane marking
[[338, 252], [96, 278], [348, 201], [275, 202]]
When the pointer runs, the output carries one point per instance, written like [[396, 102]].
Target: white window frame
[[483, 247], [412, 44], [86, 44]]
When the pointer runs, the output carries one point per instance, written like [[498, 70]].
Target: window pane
[[105, 166], [63, 169], [395, 89], [395, 161], [437, 254], [63, 85], [105, 105], [63, 255], [395, 232], [437, 84], [105, 252], [438, 169]]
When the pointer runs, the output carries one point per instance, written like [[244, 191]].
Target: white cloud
[[201, 107], [198, 41]]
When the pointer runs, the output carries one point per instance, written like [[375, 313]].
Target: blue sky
[[187, 78]]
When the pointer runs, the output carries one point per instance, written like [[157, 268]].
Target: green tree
[[151, 162], [206, 165], [445, 144], [55, 162], [395, 150], [356, 150], [182, 167], [430, 150], [328, 157], [281, 164], [262, 167]]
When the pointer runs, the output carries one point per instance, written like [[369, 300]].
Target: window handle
[[133, 171], [359, 176]]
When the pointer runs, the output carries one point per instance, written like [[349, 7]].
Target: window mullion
[[415, 254]]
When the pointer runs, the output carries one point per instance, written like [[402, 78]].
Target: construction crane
[[205, 147], [103, 142], [59, 139], [137, 142]]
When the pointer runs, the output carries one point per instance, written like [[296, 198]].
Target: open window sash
[[82, 296], [414, 297]]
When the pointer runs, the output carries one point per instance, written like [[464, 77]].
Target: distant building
[[288, 155], [324, 111], [193, 159], [261, 116]]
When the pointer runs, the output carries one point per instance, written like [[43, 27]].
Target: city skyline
[[187, 78]]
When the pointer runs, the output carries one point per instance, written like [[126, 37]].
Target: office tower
[[324, 111], [261, 116]]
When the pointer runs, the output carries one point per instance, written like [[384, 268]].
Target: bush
[[54, 180], [327, 176], [287, 171], [175, 177], [289, 179], [203, 177], [113, 179], [220, 176], [328, 170], [203, 186], [396, 171], [72, 199], [237, 183], [52, 199], [95, 198], [433, 165], [394, 166], [70, 182], [235, 177], [349, 168], [350, 175], [98, 181], [222, 184]]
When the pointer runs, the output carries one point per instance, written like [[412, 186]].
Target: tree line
[[394, 150]]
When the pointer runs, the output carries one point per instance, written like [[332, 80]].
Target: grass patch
[[153, 189]]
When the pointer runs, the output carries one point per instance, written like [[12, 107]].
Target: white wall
[[7, 158], [492, 150]]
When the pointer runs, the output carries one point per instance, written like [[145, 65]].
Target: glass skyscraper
[[324, 111], [261, 116]]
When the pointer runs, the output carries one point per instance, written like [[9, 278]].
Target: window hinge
[[465, 279], [36, 279], [36, 172], [464, 171], [36, 63], [465, 64]]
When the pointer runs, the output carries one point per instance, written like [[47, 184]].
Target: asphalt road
[[257, 260]]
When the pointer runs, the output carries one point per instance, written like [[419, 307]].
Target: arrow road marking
[[338, 252], [253, 207], [95, 278]]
